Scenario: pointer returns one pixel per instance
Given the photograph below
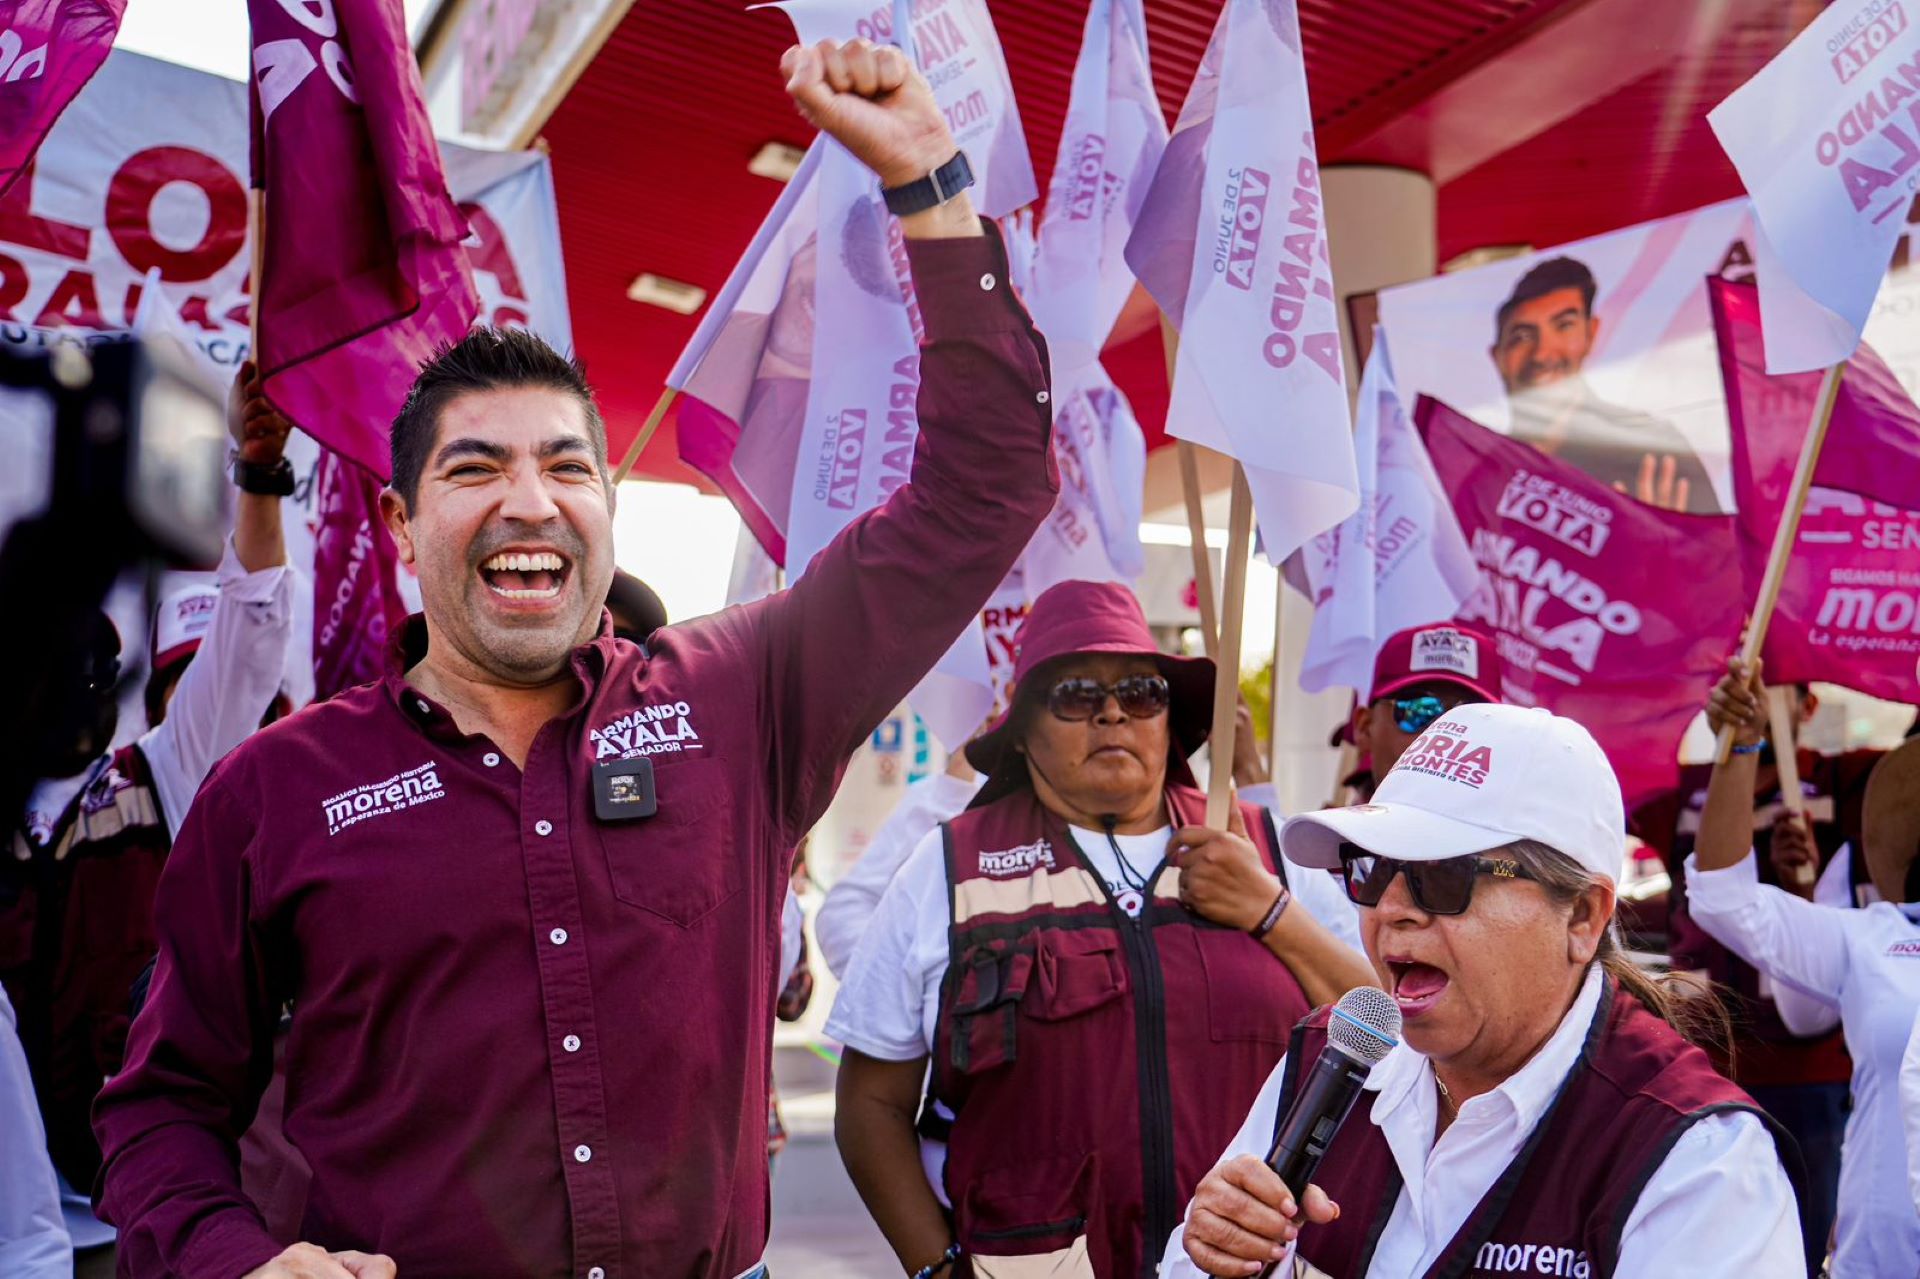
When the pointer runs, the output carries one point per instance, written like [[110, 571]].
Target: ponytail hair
[[1683, 1002]]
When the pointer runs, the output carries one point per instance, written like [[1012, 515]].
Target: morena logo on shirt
[[1445, 751], [418, 785], [1533, 1259], [1021, 860], [1904, 950], [662, 729]]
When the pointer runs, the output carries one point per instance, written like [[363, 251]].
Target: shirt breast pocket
[[680, 863]]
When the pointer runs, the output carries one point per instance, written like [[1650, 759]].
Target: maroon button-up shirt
[[526, 1041]]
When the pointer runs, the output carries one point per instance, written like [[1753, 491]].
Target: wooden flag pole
[[1189, 458], [1226, 680], [257, 238], [640, 441], [1784, 536], [1786, 761], [1274, 680]]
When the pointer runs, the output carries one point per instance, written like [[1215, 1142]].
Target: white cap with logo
[[1481, 776]]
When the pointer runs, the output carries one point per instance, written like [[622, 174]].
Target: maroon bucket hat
[[1088, 617]]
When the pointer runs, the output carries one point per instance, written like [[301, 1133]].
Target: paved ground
[[820, 1228]]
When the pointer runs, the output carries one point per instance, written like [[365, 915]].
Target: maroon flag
[[1607, 610], [356, 592], [49, 49], [1849, 607], [364, 274]]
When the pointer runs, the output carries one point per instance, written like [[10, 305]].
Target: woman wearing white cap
[[1866, 961], [1540, 1116]]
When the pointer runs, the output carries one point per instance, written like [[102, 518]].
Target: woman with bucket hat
[[1866, 962], [1540, 1114], [1095, 1038]]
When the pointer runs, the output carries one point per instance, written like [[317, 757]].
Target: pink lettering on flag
[[364, 273], [1849, 608], [1607, 610], [49, 49], [356, 596]]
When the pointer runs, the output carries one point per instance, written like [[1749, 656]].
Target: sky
[[210, 35]]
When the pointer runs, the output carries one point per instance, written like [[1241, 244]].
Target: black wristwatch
[[945, 182], [268, 481]]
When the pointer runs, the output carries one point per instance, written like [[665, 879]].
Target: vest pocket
[[1245, 1000], [990, 982], [680, 863], [1033, 1221], [1075, 973]]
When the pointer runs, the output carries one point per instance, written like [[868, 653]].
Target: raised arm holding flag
[[1825, 139]]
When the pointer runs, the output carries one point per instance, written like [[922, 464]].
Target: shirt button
[[596, 1273], [558, 936], [571, 1043], [987, 282], [421, 702], [582, 1153], [1041, 398], [489, 759], [543, 827]]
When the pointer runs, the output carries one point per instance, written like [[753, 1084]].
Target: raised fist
[[871, 100], [258, 429]]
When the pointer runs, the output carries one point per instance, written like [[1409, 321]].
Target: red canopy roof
[[1540, 120]]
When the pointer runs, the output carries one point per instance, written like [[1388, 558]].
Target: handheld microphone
[[1364, 1028]]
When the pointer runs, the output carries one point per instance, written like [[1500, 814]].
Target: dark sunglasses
[[1140, 696], [1413, 714], [1444, 887]]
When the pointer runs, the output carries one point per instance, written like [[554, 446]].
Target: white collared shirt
[[1867, 961], [1719, 1205], [850, 905], [33, 1236], [227, 687]]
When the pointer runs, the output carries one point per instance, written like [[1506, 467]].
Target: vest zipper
[[1156, 1094]]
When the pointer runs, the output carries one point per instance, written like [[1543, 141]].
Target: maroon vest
[[1096, 1064], [75, 931], [1560, 1206]]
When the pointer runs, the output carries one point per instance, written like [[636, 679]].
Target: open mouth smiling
[[526, 575]]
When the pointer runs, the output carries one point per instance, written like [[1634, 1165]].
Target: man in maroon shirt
[[531, 1000]]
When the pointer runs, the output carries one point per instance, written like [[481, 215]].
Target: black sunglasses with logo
[[1140, 696], [1443, 887]]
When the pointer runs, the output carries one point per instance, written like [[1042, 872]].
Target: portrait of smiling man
[[523, 895]]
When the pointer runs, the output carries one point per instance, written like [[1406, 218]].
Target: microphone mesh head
[[1365, 1024]]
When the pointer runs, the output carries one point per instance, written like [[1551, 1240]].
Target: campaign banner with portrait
[[1607, 610], [1600, 352]]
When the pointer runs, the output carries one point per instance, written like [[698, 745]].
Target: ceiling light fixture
[[674, 295]]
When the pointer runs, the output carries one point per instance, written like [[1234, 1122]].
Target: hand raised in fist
[[871, 100], [258, 429]]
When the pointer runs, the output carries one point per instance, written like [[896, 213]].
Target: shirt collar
[[1529, 1090], [408, 645]]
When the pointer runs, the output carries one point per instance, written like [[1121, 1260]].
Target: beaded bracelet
[[1272, 916], [947, 1258], [1754, 749]]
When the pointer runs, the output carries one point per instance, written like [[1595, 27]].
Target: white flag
[[1827, 141], [855, 439], [1398, 561], [1232, 244], [1109, 150]]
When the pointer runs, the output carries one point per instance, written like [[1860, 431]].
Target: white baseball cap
[[183, 620], [1481, 776]]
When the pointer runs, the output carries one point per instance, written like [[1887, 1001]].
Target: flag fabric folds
[[1109, 150], [1826, 138], [1232, 244], [49, 49], [1398, 561], [364, 274], [1607, 610], [1849, 604]]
